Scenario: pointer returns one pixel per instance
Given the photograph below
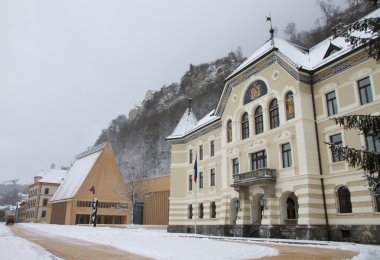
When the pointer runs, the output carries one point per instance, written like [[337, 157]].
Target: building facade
[[41, 192], [263, 168], [95, 175]]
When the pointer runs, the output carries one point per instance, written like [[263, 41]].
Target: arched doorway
[[289, 208]]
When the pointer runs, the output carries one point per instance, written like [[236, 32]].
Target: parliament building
[[263, 166]]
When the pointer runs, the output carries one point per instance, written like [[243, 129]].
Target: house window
[[372, 143], [190, 182], [201, 180], [190, 156], [259, 124], [286, 156], [274, 117], [258, 160], [344, 199], [332, 107], [190, 211], [200, 210], [229, 131], [46, 190], [213, 210], [43, 214], [337, 141], [235, 166], [212, 148], [289, 103], [365, 91], [244, 126], [212, 177], [44, 202], [201, 152]]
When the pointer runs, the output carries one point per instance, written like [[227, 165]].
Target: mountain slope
[[139, 141]]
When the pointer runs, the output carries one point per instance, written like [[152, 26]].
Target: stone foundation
[[365, 234]]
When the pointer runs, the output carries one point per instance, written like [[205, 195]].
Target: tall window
[[200, 210], [286, 156], [201, 180], [244, 126], [212, 177], [46, 190], [274, 117], [213, 210], [201, 152], [190, 156], [212, 148], [44, 202], [190, 211], [190, 182], [259, 124], [332, 107], [365, 91], [289, 103], [43, 214], [337, 140], [258, 160], [235, 166], [373, 144], [344, 199], [229, 131]]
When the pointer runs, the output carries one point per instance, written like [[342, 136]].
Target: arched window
[[291, 208], [289, 104], [244, 126], [229, 131], [274, 118], [259, 124], [344, 199]]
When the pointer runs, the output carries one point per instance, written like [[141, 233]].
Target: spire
[[189, 110], [271, 31]]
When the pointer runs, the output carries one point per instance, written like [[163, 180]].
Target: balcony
[[254, 177]]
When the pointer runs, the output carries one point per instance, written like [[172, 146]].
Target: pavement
[[69, 248]]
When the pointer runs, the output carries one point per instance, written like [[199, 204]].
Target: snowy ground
[[159, 244], [10, 247]]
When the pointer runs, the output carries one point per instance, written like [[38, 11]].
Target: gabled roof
[[184, 127], [78, 173], [53, 176], [308, 59]]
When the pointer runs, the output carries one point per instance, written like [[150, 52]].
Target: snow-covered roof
[[187, 124], [76, 175], [307, 59], [53, 176]]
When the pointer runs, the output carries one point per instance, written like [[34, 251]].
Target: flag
[[195, 170], [92, 189]]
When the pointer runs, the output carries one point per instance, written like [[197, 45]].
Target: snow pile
[[16, 248], [159, 244]]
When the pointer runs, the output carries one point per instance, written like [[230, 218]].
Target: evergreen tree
[[370, 26], [366, 159]]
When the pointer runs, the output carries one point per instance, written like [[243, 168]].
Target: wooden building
[[97, 168]]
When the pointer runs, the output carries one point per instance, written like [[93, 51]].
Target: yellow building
[[263, 167], [40, 193], [96, 167]]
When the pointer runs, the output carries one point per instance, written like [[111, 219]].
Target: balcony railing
[[254, 177]]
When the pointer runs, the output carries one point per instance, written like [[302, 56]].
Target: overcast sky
[[67, 68]]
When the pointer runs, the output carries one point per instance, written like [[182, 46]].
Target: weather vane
[[271, 31]]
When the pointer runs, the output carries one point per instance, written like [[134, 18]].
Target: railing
[[291, 222], [252, 177]]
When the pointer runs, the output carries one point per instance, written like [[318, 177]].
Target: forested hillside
[[138, 140]]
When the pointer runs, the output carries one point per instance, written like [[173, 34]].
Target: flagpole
[[196, 204], [195, 193]]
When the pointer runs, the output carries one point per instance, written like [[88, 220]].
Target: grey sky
[[67, 68]]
